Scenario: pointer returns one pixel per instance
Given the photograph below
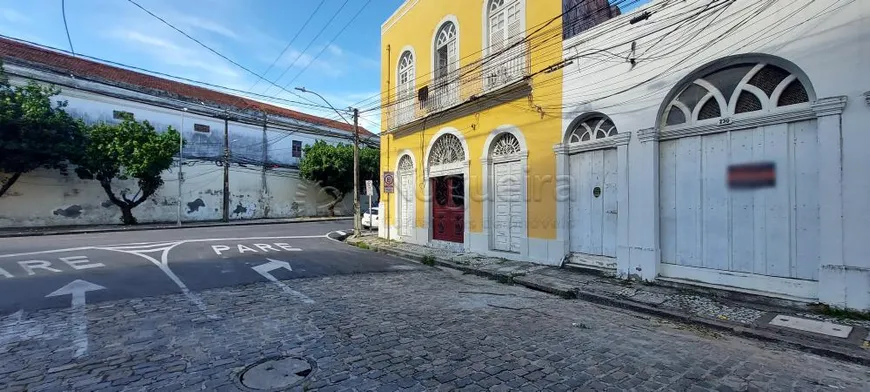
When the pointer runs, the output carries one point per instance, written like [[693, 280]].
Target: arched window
[[737, 89], [447, 149], [405, 164], [504, 31], [405, 88], [594, 127], [506, 144], [446, 55]]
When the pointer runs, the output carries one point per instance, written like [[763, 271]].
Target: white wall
[[828, 40], [45, 198]]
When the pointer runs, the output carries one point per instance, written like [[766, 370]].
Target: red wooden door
[[448, 208]]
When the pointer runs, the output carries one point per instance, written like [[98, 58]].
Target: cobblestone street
[[405, 330]]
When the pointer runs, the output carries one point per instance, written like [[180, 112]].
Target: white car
[[371, 219]]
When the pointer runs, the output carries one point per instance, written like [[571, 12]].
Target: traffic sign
[[370, 188], [389, 181]]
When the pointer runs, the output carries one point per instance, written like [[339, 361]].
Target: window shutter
[[452, 57], [496, 33], [515, 32]]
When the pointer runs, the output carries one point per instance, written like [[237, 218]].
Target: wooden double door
[[448, 208]]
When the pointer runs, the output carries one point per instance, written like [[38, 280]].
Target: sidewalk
[[61, 230], [749, 316]]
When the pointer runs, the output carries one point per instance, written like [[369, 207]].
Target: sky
[[345, 70]]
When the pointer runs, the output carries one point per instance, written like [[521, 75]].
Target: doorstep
[[756, 318]]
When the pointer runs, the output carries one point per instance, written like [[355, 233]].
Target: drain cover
[[276, 373]]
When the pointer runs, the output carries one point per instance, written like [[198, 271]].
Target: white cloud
[[207, 25], [13, 16], [174, 53], [335, 49]]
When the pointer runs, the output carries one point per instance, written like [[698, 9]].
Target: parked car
[[371, 219]]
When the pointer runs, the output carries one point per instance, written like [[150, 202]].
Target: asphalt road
[[112, 266]]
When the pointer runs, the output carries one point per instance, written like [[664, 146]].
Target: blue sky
[[251, 32]]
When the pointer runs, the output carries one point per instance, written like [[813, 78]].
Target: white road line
[[148, 244], [163, 264]]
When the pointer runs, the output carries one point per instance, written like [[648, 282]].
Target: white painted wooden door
[[769, 231], [406, 207], [508, 220], [594, 212]]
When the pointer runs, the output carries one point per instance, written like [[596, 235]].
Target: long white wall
[[829, 41], [45, 198]]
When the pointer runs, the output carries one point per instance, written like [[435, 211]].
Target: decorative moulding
[[648, 134], [617, 140], [740, 123], [830, 106]]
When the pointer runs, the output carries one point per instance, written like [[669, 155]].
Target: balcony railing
[[457, 87]]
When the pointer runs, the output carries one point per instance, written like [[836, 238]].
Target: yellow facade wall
[[538, 116]]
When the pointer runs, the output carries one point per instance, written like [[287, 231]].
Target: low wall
[[46, 198]]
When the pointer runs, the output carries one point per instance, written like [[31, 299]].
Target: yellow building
[[465, 87]]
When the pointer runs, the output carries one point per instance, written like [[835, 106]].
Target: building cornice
[[614, 141], [830, 106], [648, 134]]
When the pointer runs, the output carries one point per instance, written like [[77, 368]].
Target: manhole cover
[[276, 373]]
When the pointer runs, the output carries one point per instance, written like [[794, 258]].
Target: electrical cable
[[319, 33], [289, 44], [328, 44], [66, 27], [260, 77]]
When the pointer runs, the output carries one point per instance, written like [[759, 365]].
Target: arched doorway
[[593, 169], [507, 205], [739, 179], [407, 192], [446, 168]]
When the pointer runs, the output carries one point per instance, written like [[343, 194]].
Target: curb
[[823, 348], [145, 227]]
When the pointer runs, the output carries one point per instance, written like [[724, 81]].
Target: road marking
[[163, 264], [265, 269], [80, 262], [30, 265], [265, 248], [77, 289], [146, 244]]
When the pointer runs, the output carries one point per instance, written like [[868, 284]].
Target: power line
[[66, 27], [328, 43], [260, 77], [289, 44], [307, 47]]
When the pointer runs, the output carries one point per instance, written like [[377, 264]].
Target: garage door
[[508, 219], [593, 202], [767, 232]]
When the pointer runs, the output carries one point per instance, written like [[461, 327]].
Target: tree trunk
[[127, 217], [331, 206], [8, 183]]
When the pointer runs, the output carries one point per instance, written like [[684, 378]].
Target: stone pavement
[[61, 230], [429, 329], [732, 312]]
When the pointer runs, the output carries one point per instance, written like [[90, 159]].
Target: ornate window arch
[[406, 165], [446, 150], [405, 83], [743, 87], [446, 51], [594, 127], [505, 144]]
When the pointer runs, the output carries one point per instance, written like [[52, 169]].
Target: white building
[[266, 144], [679, 94]]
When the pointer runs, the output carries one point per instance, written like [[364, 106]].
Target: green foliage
[[34, 133], [129, 150], [428, 260], [331, 166]]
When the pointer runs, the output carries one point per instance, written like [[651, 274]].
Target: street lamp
[[180, 161], [357, 224]]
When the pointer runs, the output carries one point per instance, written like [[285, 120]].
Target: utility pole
[[265, 184], [180, 161], [226, 217], [357, 223]]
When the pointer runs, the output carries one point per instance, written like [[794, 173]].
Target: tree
[[126, 151], [332, 167], [33, 132]]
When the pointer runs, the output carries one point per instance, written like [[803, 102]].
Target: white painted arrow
[[266, 269], [77, 290]]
